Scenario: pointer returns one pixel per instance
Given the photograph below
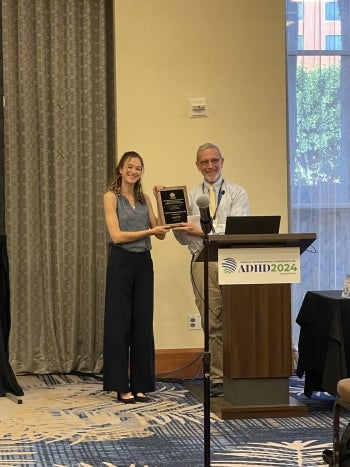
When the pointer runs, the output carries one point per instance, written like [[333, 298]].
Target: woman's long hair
[[116, 183]]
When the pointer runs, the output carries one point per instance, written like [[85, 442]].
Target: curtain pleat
[[58, 146]]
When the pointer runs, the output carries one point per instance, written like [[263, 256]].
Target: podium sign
[[259, 265]]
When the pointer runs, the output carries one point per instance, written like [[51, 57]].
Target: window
[[319, 140], [333, 42], [331, 11], [300, 42], [300, 11]]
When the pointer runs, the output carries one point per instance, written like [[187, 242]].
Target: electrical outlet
[[194, 321]]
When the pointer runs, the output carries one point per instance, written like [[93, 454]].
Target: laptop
[[252, 225]]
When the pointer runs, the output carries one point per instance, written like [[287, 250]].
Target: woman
[[128, 333]]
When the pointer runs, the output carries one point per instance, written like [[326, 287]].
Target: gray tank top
[[132, 220]]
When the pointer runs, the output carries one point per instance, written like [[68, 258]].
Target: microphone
[[205, 218]]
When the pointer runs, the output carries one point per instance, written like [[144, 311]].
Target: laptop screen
[[252, 225]]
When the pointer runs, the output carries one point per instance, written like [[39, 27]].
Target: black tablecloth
[[324, 341], [8, 382]]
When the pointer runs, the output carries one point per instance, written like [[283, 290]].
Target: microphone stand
[[206, 354]]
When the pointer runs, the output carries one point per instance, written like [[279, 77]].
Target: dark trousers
[[8, 382], [128, 360]]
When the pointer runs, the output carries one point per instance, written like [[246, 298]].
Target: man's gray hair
[[205, 146]]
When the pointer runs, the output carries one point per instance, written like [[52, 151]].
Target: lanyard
[[220, 194]]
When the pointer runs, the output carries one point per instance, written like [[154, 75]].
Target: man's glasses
[[211, 161]]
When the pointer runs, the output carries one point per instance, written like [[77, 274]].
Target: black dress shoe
[[126, 400], [216, 390], [328, 457], [140, 398]]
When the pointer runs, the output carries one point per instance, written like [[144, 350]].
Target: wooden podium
[[257, 342]]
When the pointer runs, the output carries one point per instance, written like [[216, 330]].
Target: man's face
[[209, 163]]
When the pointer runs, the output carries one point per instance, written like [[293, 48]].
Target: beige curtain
[[59, 143]]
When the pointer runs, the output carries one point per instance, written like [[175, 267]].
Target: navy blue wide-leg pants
[[128, 360]]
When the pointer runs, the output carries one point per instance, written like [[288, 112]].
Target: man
[[230, 200]]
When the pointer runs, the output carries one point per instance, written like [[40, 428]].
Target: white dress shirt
[[231, 200]]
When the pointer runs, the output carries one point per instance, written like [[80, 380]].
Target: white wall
[[233, 53]]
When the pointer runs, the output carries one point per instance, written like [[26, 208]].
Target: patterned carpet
[[68, 421]]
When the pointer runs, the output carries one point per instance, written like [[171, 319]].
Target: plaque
[[172, 203]]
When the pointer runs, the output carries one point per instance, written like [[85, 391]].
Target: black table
[[8, 382], [324, 341]]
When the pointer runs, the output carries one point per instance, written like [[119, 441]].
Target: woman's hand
[[160, 229]]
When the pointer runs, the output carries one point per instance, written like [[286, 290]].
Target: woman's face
[[131, 171]]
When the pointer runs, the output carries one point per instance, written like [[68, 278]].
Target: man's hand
[[190, 229]]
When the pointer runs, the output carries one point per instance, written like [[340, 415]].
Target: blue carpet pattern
[[68, 421]]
